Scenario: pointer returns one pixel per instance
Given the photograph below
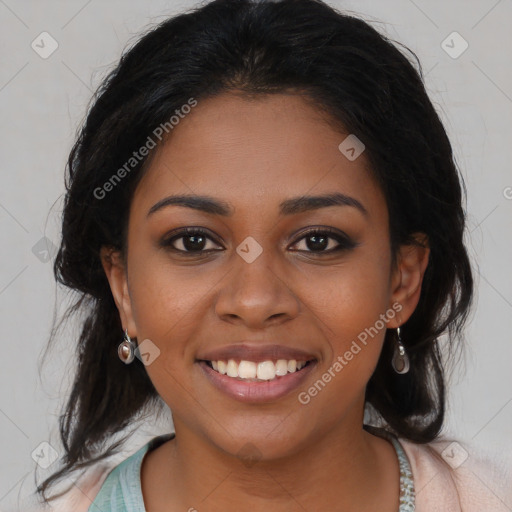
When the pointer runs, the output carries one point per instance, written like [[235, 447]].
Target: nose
[[257, 294]]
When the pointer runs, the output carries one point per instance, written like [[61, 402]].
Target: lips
[[255, 352], [271, 384], [257, 392]]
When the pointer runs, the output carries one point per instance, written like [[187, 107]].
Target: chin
[[269, 439]]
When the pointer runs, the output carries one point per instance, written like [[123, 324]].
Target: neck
[[345, 468]]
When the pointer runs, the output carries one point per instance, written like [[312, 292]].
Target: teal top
[[121, 491]]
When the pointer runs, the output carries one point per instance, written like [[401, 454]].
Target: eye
[[324, 240], [189, 240], [195, 241]]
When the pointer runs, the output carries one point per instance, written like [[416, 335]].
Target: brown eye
[[190, 240], [324, 241]]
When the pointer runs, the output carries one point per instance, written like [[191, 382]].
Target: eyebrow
[[291, 206]]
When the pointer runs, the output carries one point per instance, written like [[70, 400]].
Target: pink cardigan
[[448, 477]]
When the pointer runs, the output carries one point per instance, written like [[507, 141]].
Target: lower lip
[[257, 392]]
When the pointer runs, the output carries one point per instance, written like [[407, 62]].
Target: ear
[[407, 277], [115, 270]]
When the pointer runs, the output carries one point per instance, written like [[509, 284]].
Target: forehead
[[254, 151]]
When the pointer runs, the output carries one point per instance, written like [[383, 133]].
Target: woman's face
[[262, 290]]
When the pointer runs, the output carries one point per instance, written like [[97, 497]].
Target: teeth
[[281, 367], [221, 367], [247, 370], [264, 370], [232, 369]]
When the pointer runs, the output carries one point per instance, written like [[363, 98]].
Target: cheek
[[163, 293], [353, 306], [352, 295], [166, 301], [167, 304]]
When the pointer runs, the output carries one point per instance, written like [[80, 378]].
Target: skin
[[253, 154]]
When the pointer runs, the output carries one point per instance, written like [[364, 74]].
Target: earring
[[400, 361], [126, 349]]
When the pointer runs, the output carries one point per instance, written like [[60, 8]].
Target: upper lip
[[255, 352]]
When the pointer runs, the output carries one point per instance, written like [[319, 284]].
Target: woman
[[264, 220]]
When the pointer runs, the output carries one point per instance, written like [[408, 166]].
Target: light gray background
[[43, 101]]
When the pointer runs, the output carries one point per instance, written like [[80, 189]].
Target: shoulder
[[96, 484], [453, 476], [84, 491], [112, 486], [79, 495]]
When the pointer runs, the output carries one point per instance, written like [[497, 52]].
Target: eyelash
[[345, 243]]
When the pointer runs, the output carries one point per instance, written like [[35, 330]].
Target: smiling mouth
[[251, 371]]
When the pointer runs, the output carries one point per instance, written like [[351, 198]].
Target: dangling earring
[[400, 361], [126, 349]]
